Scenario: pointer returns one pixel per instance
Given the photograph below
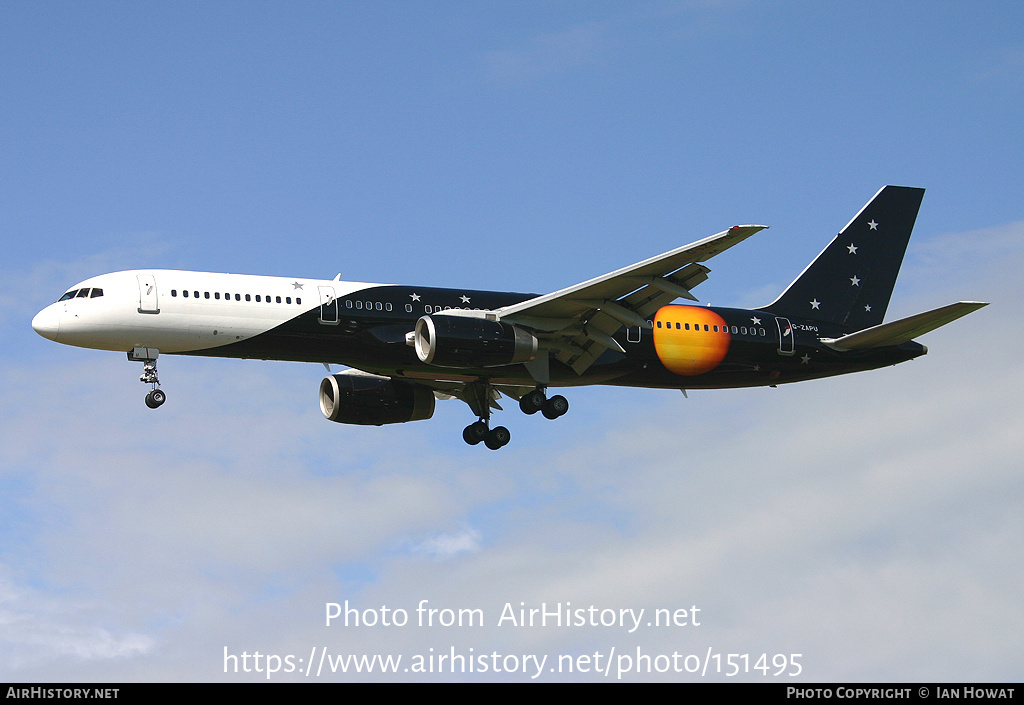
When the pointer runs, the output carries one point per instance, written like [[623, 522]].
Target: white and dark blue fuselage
[[406, 345], [367, 327]]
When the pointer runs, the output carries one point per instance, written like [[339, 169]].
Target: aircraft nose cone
[[47, 323]]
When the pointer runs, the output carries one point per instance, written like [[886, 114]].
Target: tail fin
[[851, 281]]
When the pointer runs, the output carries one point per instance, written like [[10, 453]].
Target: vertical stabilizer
[[851, 281]]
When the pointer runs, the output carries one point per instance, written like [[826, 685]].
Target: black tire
[[474, 433], [556, 406], [498, 437], [155, 398], [532, 402]]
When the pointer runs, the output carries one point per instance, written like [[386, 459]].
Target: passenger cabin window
[[94, 293]]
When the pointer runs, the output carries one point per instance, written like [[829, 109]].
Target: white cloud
[[444, 546], [869, 522], [40, 629]]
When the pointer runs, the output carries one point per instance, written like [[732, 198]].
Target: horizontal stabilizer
[[903, 330]]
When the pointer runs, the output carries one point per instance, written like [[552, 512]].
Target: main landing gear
[[535, 401], [493, 438], [479, 396], [148, 356]]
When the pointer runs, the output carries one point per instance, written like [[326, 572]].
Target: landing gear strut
[[148, 356], [479, 396]]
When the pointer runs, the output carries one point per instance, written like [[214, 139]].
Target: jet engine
[[373, 401], [460, 341]]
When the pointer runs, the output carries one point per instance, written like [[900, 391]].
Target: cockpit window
[[85, 293]]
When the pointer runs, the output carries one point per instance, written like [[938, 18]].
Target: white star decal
[[805, 359], [873, 225], [414, 297], [867, 307], [755, 320], [465, 299], [296, 285], [852, 248], [854, 280], [815, 304]]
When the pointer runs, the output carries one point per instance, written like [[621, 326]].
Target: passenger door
[[787, 344], [328, 306], [148, 301]]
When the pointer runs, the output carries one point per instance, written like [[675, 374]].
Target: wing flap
[[578, 322]]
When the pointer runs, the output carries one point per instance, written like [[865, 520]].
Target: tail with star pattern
[[851, 281]]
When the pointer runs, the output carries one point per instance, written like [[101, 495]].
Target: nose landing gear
[[148, 356]]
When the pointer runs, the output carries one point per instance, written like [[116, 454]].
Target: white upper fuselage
[[177, 311]]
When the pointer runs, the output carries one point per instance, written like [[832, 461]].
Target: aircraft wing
[[578, 322]]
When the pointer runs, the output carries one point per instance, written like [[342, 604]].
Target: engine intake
[[458, 341], [374, 401]]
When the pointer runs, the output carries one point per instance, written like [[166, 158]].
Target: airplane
[[406, 346]]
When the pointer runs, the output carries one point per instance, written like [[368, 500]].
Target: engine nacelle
[[374, 401], [460, 341]]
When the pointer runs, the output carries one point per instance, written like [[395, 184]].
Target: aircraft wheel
[[533, 402], [555, 406], [474, 433], [155, 398], [497, 438]]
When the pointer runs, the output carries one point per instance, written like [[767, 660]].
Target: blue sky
[[870, 523]]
